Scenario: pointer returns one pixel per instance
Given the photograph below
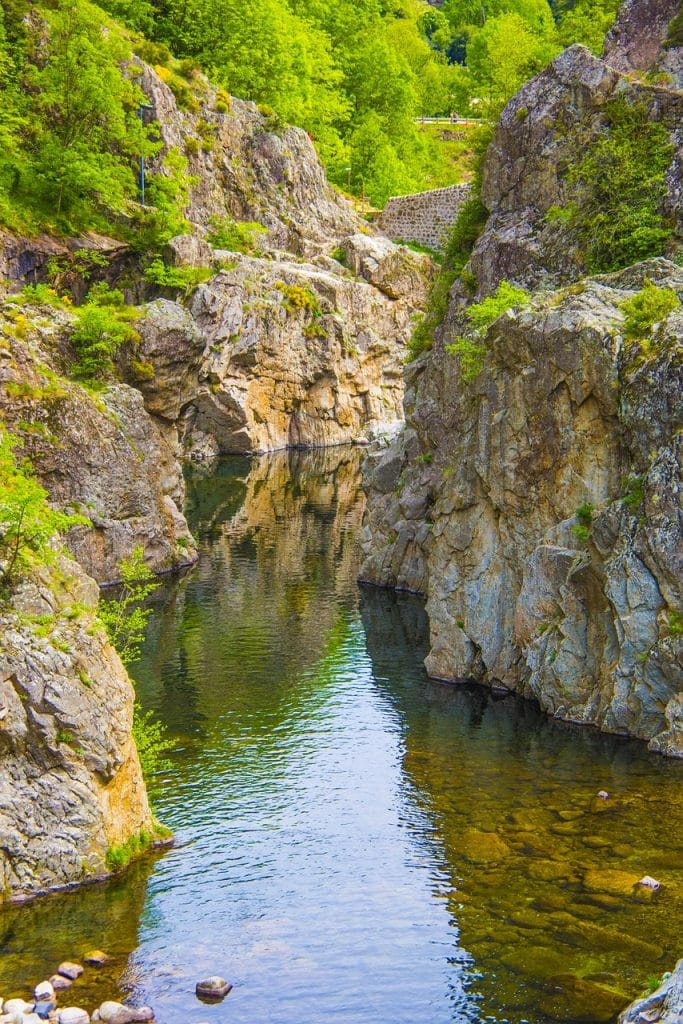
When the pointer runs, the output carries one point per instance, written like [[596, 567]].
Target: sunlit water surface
[[355, 843]]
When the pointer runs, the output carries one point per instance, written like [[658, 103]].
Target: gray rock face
[[664, 1005], [104, 455], [524, 171], [248, 172], [276, 352], [638, 40], [70, 780], [476, 505]]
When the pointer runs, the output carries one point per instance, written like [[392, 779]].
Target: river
[[355, 843]]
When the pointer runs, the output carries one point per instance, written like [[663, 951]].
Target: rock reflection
[[542, 871]]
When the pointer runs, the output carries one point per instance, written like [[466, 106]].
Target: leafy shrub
[[482, 314], [296, 298], [40, 295], [235, 235], [648, 307], [471, 351], [27, 522], [582, 529], [183, 278], [152, 742], [472, 357], [634, 492], [615, 188], [123, 616], [103, 325]]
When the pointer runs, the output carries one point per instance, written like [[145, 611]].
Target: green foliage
[[582, 528], [648, 307], [124, 617], [634, 492], [28, 523], [152, 742], [615, 188], [235, 235], [186, 279], [586, 22], [39, 295], [296, 298], [103, 325], [472, 357], [120, 856], [506, 296], [67, 122], [674, 36], [675, 623]]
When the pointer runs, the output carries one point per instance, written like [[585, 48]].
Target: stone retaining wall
[[424, 217]]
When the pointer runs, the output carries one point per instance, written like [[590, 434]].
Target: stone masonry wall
[[424, 217]]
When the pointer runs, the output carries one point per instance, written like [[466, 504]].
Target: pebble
[[69, 970], [112, 1012], [213, 988], [17, 1006], [44, 1008], [603, 794], [73, 1015], [59, 982], [31, 1018], [43, 991], [95, 958], [650, 883]]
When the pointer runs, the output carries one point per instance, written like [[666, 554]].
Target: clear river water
[[357, 844]]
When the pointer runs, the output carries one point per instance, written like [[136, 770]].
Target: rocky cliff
[[535, 494], [272, 353], [71, 790]]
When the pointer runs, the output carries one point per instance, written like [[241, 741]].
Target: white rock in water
[[17, 1006], [59, 982], [70, 970], [31, 1018], [650, 883], [213, 988], [112, 1012], [73, 1015], [44, 992]]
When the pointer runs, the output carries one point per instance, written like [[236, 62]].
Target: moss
[[297, 298], [118, 857]]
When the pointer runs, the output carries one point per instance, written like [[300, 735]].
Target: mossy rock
[[484, 847]]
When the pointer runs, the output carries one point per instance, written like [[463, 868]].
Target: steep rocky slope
[[537, 499], [271, 353], [98, 452], [70, 786]]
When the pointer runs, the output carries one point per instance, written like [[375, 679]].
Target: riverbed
[[355, 843]]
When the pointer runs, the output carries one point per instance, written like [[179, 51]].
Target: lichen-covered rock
[[664, 1005], [70, 780], [639, 40], [102, 454], [541, 133], [477, 505], [276, 352]]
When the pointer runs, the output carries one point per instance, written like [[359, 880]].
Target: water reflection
[[356, 843]]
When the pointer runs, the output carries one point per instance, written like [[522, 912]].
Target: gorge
[[353, 838]]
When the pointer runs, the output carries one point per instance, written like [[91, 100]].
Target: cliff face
[[101, 453], [273, 353], [70, 780], [537, 502]]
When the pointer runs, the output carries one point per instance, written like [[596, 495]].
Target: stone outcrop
[[425, 217], [102, 454], [248, 169], [276, 353], [525, 168], [476, 504], [536, 498], [664, 1005], [70, 780], [639, 40]]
